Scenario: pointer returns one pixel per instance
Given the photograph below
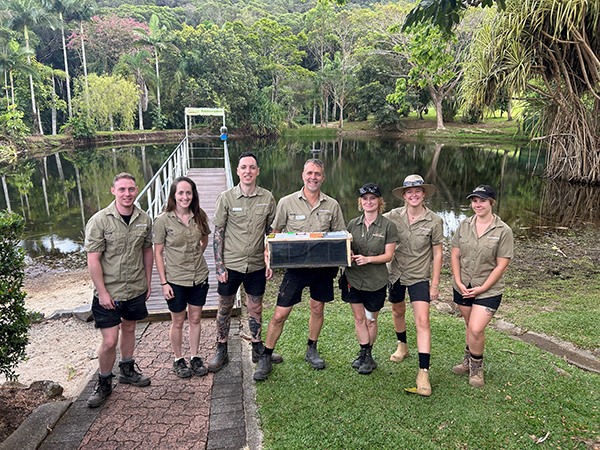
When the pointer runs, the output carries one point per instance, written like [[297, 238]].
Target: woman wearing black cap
[[481, 251], [417, 260], [374, 240]]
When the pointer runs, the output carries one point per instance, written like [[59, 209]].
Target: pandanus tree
[[547, 52]]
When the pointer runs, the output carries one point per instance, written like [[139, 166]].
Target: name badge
[[236, 209], [494, 237], [302, 217], [142, 225], [261, 204]]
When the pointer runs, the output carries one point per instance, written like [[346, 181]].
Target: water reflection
[[59, 193]]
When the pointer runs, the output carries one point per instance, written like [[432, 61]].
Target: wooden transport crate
[[308, 250]]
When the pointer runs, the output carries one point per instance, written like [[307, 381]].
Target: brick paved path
[[171, 412]]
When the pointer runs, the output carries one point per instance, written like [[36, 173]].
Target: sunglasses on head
[[413, 183], [368, 190]]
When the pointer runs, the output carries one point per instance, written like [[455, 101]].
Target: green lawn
[[528, 393]]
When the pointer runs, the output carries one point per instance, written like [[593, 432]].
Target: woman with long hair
[[373, 241], [482, 248], [417, 260], [181, 232]]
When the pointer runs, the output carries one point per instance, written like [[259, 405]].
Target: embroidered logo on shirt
[[379, 235], [261, 204], [424, 229], [237, 209], [302, 217], [142, 225], [324, 210], [494, 237]]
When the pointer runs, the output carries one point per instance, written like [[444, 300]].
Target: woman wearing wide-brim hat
[[482, 248], [417, 262], [364, 283]]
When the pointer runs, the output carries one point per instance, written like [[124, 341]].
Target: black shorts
[[320, 282], [187, 295], [134, 309], [372, 300], [418, 292], [489, 302], [254, 283]]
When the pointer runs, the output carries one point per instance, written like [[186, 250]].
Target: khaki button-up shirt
[[413, 255], [184, 261], [245, 220], [478, 255], [121, 247], [295, 215], [371, 242]]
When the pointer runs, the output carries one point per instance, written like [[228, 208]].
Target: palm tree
[[52, 73], [81, 11], [158, 38], [25, 14], [15, 60], [65, 6], [138, 66]]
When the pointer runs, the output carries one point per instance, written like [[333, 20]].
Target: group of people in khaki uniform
[[395, 252]]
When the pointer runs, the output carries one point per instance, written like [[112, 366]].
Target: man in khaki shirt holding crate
[[243, 217], [118, 242], [308, 210]]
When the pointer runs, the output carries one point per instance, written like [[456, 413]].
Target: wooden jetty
[[210, 183]]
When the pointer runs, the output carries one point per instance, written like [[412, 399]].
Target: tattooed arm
[[218, 239]]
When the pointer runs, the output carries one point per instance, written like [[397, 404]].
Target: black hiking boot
[[102, 391], [220, 359], [258, 348], [131, 376]]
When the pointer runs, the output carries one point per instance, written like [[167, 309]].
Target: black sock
[[364, 346], [474, 356], [401, 336], [311, 342], [268, 351], [424, 360]]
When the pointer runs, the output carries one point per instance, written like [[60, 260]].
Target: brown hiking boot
[[102, 391], [423, 386], [220, 359], [400, 353], [463, 367], [476, 372]]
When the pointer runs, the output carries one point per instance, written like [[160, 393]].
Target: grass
[[528, 394]]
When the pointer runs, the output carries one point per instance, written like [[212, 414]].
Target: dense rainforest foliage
[[87, 65]]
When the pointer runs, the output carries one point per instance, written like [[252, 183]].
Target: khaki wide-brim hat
[[414, 181]]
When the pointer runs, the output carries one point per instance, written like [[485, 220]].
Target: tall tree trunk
[[12, 88], [140, 114], [157, 78], [39, 120], [341, 116], [5, 187], [33, 107], [509, 110], [314, 113], [85, 74], [53, 107], [327, 109], [437, 98], [68, 78], [6, 87]]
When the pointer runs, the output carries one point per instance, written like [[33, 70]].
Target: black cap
[[483, 191], [370, 188]]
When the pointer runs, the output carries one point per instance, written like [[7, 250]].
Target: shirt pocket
[[490, 248], [324, 219], [420, 240], [115, 242]]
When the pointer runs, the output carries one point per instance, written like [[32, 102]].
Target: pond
[[59, 193]]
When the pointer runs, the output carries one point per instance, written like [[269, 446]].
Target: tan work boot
[[476, 372], [463, 367], [401, 352], [423, 386]]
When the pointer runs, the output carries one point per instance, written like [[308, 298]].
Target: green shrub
[[14, 319], [80, 126], [159, 121]]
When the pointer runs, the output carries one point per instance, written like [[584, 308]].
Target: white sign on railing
[[205, 111]]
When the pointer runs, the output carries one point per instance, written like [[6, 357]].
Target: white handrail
[[176, 165], [157, 189]]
